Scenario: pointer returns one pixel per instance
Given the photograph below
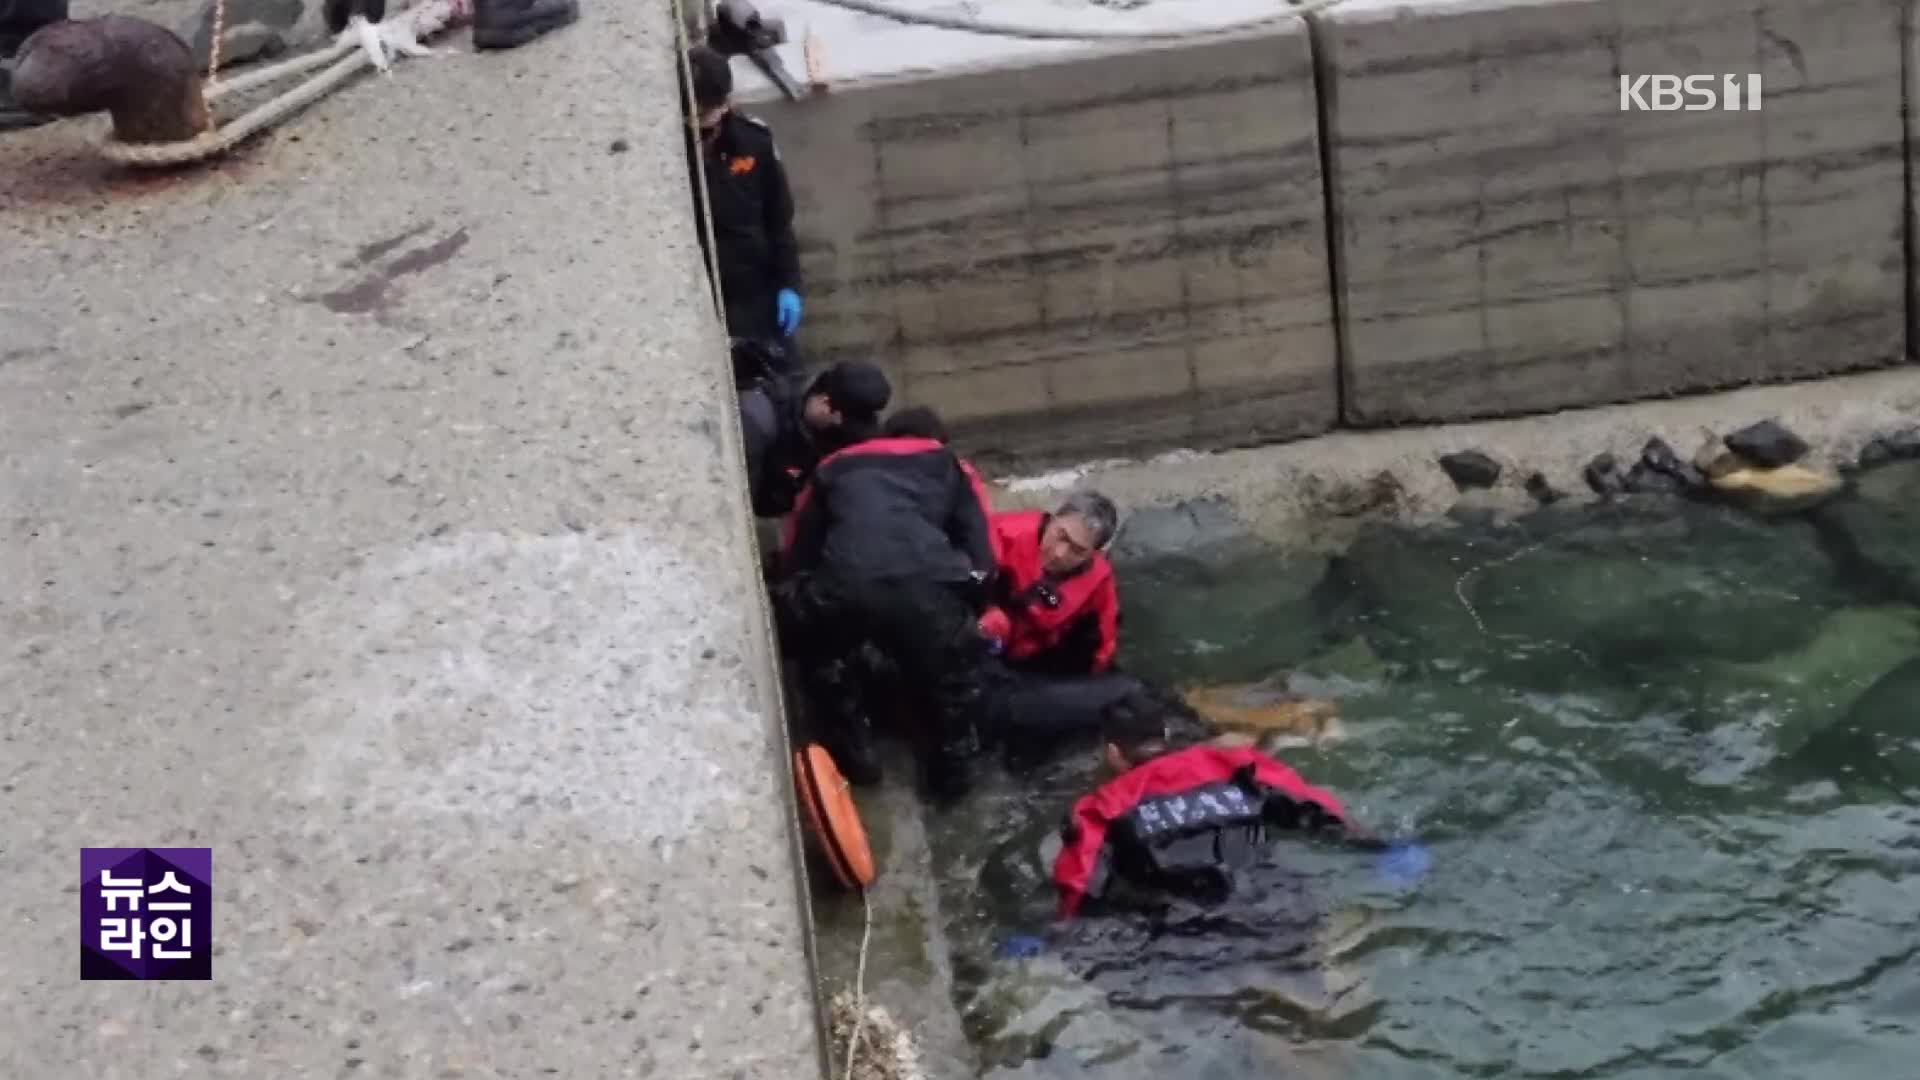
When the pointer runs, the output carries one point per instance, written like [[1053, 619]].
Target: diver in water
[[1183, 812], [1162, 878]]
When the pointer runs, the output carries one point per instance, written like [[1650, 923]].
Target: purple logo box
[[146, 913]]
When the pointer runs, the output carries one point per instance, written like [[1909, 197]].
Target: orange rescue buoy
[[831, 816]]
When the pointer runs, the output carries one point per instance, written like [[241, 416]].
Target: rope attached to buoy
[[860, 983]]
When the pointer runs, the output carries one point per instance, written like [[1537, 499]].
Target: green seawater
[[1665, 758]]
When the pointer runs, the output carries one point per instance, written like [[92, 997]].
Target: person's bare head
[[1080, 528]]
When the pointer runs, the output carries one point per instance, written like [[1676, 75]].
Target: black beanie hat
[[858, 390], [712, 76]]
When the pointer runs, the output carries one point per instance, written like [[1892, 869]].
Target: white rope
[[273, 73], [1055, 33], [699, 159], [860, 984], [1460, 584], [213, 52]]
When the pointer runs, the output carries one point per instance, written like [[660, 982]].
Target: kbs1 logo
[[146, 913], [1691, 93]]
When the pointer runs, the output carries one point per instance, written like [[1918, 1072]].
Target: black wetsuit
[[752, 209]]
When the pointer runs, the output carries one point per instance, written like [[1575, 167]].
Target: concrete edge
[[757, 89], [764, 649]]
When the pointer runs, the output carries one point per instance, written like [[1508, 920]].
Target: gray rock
[[1187, 527], [1604, 476], [1669, 473], [1643, 479], [254, 29], [1767, 444], [1542, 491], [1469, 469], [1344, 499], [1902, 445]]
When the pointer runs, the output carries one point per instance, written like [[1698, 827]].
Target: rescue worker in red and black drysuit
[[1181, 818], [1054, 626], [1056, 609], [889, 545]]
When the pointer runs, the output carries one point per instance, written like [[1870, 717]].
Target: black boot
[[851, 744], [841, 724], [508, 24], [18, 20], [949, 768]]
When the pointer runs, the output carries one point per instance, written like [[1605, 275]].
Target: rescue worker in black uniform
[[788, 424], [752, 209], [890, 546]]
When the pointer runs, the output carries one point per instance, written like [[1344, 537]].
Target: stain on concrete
[[430, 256], [369, 252], [373, 293]]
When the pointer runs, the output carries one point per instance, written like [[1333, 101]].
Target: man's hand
[[788, 306], [995, 625]]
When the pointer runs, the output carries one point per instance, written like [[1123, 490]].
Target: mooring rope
[[1056, 33], [347, 55]]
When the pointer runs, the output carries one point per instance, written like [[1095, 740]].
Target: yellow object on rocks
[[1227, 708], [1787, 488]]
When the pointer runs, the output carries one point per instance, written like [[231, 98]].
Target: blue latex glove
[[789, 307], [1405, 863], [1020, 946]]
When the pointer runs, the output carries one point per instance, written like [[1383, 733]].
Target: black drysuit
[[891, 545], [781, 449], [752, 209]]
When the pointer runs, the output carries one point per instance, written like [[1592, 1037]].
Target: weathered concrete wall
[[1511, 241], [1078, 257], [1118, 251]]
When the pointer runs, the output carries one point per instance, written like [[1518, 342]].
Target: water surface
[[1669, 834]]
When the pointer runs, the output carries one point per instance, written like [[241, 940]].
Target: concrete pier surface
[[371, 516]]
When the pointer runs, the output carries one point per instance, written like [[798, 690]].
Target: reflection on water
[[1672, 826]]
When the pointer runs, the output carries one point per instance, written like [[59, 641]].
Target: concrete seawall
[[1077, 250], [1110, 249]]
